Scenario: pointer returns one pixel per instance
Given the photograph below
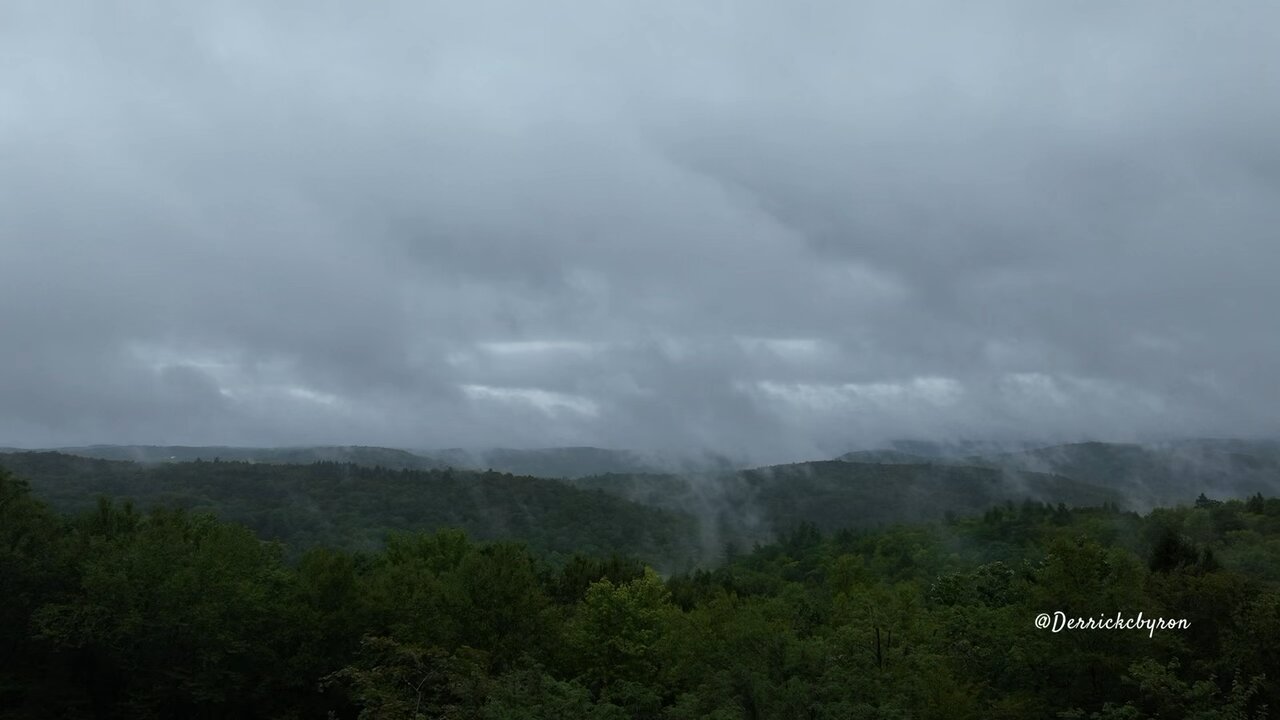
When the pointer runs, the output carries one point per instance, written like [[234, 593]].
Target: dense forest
[[353, 507], [748, 506], [1142, 475], [675, 522], [555, 462], [116, 612], [390, 458]]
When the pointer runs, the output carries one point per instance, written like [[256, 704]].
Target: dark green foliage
[[1171, 552], [561, 462], [761, 504], [390, 458], [1161, 474], [171, 613], [354, 507]]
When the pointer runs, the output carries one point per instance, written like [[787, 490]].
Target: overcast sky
[[780, 229]]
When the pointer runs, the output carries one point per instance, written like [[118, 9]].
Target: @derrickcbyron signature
[[1058, 621]]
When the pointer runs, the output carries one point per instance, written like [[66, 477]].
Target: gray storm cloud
[[760, 228]]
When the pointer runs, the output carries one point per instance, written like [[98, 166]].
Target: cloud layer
[[760, 228]]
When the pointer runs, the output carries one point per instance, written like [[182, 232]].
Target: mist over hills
[[961, 448], [556, 462], [390, 458], [1144, 475], [671, 511], [576, 462], [1140, 475], [755, 505], [1155, 475], [355, 507], [889, 457]]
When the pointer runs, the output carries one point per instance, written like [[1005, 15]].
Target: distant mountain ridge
[[864, 488], [577, 462], [554, 462], [757, 504], [1144, 475], [889, 457], [559, 462], [354, 507], [371, 456], [1158, 474]]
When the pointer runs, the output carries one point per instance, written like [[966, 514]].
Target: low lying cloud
[[762, 229]]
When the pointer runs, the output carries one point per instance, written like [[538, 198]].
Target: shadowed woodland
[[120, 612]]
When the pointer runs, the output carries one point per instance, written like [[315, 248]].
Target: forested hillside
[[119, 613], [554, 462], [563, 462], [756, 505], [1149, 475], [390, 458], [672, 521], [354, 507], [1140, 475]]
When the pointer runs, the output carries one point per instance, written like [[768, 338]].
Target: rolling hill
[[390, 458], [576, 462], [354, 507], [1158, 474], [757, 504]]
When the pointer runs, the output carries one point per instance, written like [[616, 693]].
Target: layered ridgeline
[[556, 462], [672, 520], [759, 504], [355, 495], [121, 614], [1143, 475], [925, 481], [1150, 475], [356, 507], [390, 458], [577, 462]]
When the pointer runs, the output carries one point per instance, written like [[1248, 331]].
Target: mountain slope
[[390, 458], [755, 505], [354, 507], [890, 457], [1147, 475], [575, 462]]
